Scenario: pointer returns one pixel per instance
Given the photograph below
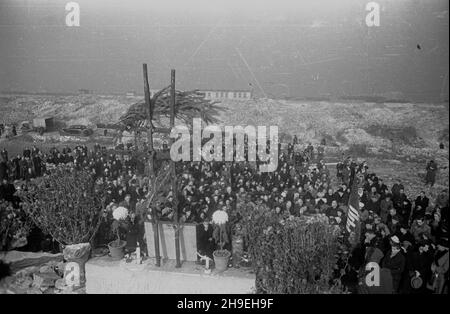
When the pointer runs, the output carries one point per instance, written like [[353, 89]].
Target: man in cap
[[395, 262]]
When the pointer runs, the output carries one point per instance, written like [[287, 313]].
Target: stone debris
[[40, 279], [61, 285], [24, 282], [49, 291], [70, 291], [34, 291], [44, 280], [46, 269]]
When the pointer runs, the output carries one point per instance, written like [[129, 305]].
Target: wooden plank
[[187, 236], [174, 174], [148, 103]]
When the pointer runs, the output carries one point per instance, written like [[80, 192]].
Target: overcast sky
[[280, 47]]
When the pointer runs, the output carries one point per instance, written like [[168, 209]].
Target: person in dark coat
[[3, 170], [36, 162], [395, 262], [7, 191], [404, 210], [418, 264], [420, 205], [430, 177], [16, 168], [4, 154], [205, 241], [405, 235], [135, 233], [26, 152], [395, 190]]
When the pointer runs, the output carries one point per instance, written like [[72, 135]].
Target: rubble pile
[[36, 273]]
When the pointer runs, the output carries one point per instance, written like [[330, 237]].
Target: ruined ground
[[396, 138]]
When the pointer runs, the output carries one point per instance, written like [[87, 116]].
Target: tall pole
[[148, 103], [150, 129], [174, 173]]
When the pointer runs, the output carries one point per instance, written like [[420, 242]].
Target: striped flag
[[353, 206]]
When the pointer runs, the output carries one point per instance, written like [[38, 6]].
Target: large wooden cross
[[150, 103]]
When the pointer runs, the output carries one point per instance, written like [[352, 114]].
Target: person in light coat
[[439, 267]]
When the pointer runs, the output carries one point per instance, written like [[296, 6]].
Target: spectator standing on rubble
[[430, 177]]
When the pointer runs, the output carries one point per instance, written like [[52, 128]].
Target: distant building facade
[[227, 94], [85, 91], [209, 94]]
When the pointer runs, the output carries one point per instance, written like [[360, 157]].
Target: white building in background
[[227, 94], [213, 94]]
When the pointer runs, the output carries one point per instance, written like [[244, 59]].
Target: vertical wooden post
[[148, 103], [174, 172]]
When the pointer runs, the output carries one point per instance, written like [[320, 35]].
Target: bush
[[292, 255], [66, 204]]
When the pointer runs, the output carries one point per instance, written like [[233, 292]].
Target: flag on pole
[[353, 218]]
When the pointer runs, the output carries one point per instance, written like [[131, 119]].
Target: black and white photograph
[[223, 152]]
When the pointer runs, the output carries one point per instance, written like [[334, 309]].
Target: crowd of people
[[407, 237]]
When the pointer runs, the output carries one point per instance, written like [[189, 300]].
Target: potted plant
[[220, 235], [117, 247], [68, 206]]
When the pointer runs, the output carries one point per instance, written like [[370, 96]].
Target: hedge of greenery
[[65, 204], [292, 255]]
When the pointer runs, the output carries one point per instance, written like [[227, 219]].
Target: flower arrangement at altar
[[220, 235], [220, 217], [120, 213]]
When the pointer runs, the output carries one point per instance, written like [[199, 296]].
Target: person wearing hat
[[439, 267], [395, 262]]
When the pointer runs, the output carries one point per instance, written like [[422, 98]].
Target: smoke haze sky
[[283, 48]]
